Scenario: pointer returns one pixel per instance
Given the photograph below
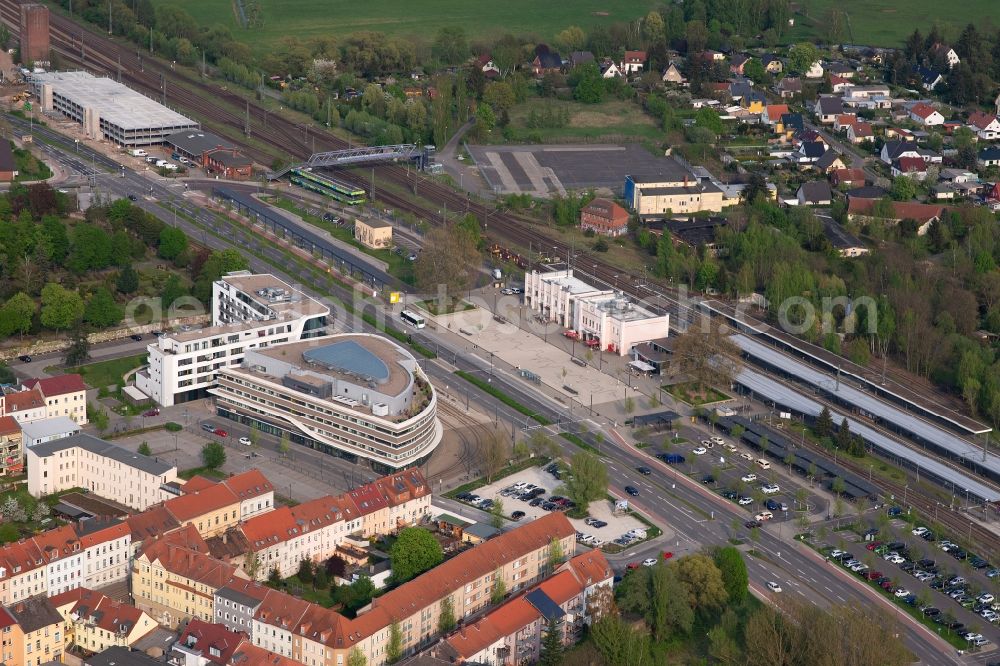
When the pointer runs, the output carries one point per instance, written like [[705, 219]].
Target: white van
[[138, 152], [162, 163], [763, 464]]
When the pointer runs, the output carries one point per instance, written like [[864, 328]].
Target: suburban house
[[847, 177], [985, 125], [843, 121], [738, 63], [634, 62], [546, 62], [946, 54], [989, 157], [912, 167], [828, 107], [829, 161], [929, 78], [839, 84], [773, 113], [577, 58], [673, 75], [815, 71], [789, 124], [841, 69], [814, 193], [604, 217], [893, 150], [610, 70], [808, 152], [926, 115], [488, 66], [790, 86], [859, 132], [772, 64]]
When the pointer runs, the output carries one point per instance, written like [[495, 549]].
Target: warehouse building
[[673, 190], [107, 109]]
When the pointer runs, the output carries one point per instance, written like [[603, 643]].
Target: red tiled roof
[[269, 528], [153, 522], [911, 164], [58, 385], [635, 56], [107, 613], [6, 619], [922, 110], [282, 610], [901, 209], [863, 129], [608, 210], [472, 564], [213, 498], [367, 499], [249, 654], [848, 175], [775, 111], [203, 636], [23, 400], [591, 568], [980, 119], [58, 543], [109, 533], [249, 484], [9, 426], [189, 563], [197, 483]]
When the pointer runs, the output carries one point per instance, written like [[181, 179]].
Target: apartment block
[[11, 447], [249, 311], [204, 643], [64, 395], [254, 492], [84, 461], [107, 551], [37, 636]]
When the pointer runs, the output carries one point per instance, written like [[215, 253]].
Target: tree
[[552, 649], [706, 355], [709, 119], [127, 281], [41, 512], [844, 436], [496, 513], [446, 618], [356, 657], [756, 187], [801, 57], [101, 310], [571, 39], [16, 314], [252, 564], [173, 242], [305, 572], [274, 577], [706, 589], [620, 643], [61, 307], [734, 573], [588, 85], [588, 481], [696, 35], [394, 650], [486, 119], [213, 455], [499, 588], [172, 290], [493, 453], [448, 264], [144, 449], [450, 45], [78, 351], [555, 553], [904, 188], [754, 70], [824, 423], [414, 552]]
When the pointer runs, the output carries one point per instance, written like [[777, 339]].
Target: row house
[[46, 564], [236, 603], [577, 595], [64, 395], [96, 622], [107, 551], [254, 491], [11, 447], [203, 643], [211, 511], [33, 633], [151, 524], [174, 578]]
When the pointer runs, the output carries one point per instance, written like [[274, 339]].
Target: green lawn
[[105, 373], [688, 394], [614, 120], [888, 22], [422, 19], [208, 472], [30, 167]]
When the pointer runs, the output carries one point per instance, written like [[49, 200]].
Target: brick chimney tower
[[34, 33]]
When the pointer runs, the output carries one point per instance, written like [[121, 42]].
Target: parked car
[[24, 358], [699, 451], [219, 432], [245, 441], [151, 412], [748, 478], [649, 562]]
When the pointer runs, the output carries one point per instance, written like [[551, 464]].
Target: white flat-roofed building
[[249, 311], [46, 430], [355, 396], [107, 109], [605, 316], [107, 470]]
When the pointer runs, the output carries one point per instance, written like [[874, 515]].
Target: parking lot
[[542, 484], [949, 586], [768, 494]]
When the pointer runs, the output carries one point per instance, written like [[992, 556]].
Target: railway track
[[473, 435]]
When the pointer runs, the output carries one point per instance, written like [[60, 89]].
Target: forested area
[[63, 273]]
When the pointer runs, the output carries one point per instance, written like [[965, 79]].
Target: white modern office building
[[249, 311], [107, 109], [602, 318], [354, 396]]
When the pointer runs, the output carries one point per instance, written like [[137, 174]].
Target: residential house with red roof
[[204, 643], [773, 112], [96, 622], [107, 550], [848, 177], [174, 581], [604, 217], [64, 395], [255, 492], [62, 559], [985, 125], [25, 406], [926, 115], [634, 62], [212, 510], [859, 132], [912, 167]]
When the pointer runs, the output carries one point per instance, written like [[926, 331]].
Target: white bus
[[412, 318]]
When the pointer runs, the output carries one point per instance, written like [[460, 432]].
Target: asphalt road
[[680, 503]]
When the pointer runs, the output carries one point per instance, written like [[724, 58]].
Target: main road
[[697, 516]]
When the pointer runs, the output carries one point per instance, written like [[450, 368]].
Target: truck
[[137, 152], [497, 274]]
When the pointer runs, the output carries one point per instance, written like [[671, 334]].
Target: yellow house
[[96, 622], [32, 632], [173, 581], [375, 234], [211, 510]]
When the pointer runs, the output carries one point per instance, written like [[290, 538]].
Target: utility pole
[[247, 128], [150, 39], [110, 32], [119, 68], [203, 63], [163, 81]]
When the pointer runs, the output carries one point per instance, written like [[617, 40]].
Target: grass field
[[613, 119], [888, 22], [422, 19], [106, 373]]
